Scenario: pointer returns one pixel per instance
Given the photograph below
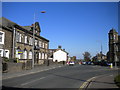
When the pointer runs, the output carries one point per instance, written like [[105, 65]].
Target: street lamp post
[[34, 39], [33, 42]]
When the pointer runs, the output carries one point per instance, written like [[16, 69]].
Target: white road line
[[32, 81]]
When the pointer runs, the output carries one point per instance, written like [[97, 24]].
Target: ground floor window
[[1, 52], [30, 55], [46, 56], [6, 53], [39, 55], [42, 55], [25, 54]]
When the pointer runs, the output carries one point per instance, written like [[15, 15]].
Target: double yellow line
[[84, 85]]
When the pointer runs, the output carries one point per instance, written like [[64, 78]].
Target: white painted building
[[60, 55]]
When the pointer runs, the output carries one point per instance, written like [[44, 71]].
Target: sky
[[76, 26]]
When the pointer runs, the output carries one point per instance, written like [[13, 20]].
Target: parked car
[[105, 63], [89, 63], [84, 63], [71, 63]]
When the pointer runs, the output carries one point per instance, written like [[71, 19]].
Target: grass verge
[[117, 80]]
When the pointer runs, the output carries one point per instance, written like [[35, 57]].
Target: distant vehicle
[[105, 63], [84, 63], [71, 63], [80, 63], [67, 63], [89, 63]]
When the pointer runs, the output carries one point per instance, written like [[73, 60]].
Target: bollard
[[111, 65], [17, 60]]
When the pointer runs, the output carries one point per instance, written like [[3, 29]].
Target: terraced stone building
[[17, 42]]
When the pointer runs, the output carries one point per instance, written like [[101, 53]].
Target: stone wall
[[8, 41], [14, 67]]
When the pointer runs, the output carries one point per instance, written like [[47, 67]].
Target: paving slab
[[106, 81]]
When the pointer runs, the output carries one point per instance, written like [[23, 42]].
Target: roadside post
[[17, 60], [111, 65]]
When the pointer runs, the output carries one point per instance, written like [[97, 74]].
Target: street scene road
[[77, 76]]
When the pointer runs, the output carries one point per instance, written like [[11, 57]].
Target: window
[[18, 37], [42, 55], [26, 39], [6, 53], [39, 55], [46, 46], [43, 45], [46, 56], [114, 37], [30, 41], [25, 54], [1, 37], [35, 42], [30, 55], [40, 43], [111, 37], [1, 52]]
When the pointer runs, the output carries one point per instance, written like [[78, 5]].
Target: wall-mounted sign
[[20, 52]]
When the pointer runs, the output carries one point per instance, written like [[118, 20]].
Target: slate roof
[[27, 27], [112, 31], [9, 25]]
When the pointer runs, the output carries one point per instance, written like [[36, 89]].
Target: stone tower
[[113, 39]]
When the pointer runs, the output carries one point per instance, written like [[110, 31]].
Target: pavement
[[105, 81], [38, 68]]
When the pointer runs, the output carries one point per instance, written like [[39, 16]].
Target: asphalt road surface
[[64, 77]]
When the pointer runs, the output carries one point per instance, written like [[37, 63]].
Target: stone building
[[113, 45], [99, 57], [17, 42], [118, 54]]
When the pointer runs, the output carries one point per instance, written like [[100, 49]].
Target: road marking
[[32, 81], [86, 82]]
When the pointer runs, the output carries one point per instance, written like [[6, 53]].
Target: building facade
[[17, 42], [113, 45], [58, 55], [99, 57]]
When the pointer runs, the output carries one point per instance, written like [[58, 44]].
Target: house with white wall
[[60, 55]]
